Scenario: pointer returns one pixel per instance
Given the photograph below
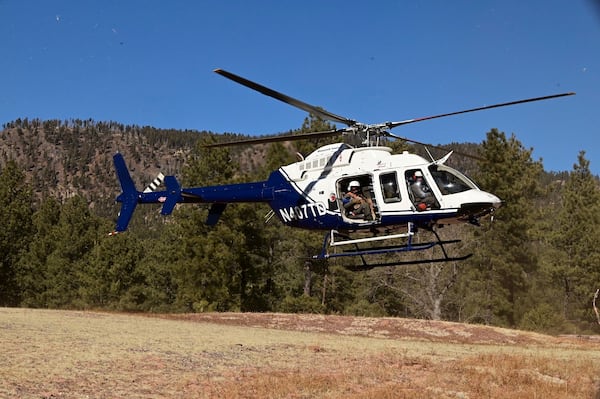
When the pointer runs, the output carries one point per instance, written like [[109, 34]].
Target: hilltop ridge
[[62, 159]]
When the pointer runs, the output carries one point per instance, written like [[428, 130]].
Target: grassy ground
[[61, 354]]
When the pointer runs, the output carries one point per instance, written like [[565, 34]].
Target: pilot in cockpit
[[422, 195]]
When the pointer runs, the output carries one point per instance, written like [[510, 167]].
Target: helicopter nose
[[483, 204], [496, 202]]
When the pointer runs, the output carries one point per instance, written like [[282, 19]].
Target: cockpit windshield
[[450, 181]]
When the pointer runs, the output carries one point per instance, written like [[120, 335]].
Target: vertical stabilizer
[[129, 195]]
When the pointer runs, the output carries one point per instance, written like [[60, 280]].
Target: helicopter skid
[[335, 239], [369, 266]]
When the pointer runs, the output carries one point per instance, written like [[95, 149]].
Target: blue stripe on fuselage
[[295, 208]]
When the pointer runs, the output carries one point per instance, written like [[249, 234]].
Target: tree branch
[[594, 303]]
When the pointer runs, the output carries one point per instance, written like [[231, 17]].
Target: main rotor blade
[[262, 140], [405, 122], [388, 134], [326, 115]]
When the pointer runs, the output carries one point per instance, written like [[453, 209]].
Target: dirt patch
[[388, 328]]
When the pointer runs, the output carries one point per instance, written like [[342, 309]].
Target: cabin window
[[389, 187], [450, 181]]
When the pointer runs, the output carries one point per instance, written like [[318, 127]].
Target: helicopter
[[366, 199]]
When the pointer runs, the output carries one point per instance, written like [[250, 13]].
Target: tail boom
[[219, 196]]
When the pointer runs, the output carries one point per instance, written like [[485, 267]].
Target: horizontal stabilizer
[[173, 195]]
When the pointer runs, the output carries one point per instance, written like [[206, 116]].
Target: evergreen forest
[[535, 267]]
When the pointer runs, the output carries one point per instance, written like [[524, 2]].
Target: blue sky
[[150, 63]]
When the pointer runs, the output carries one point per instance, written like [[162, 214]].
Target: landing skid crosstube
[[332, 240]]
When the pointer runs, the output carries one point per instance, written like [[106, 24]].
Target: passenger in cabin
[[422, 194], [389, 191], [356, 204], [389, 188]]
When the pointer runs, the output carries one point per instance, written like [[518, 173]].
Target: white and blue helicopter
[[362, 195]]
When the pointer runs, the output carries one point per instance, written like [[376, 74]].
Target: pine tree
[[33, 263], [576, 267], [209, 166], [277, 156], [423, 291], [313, 124], [500, 271], [222, 267], [112, 277], [76, 235], [15, 213]]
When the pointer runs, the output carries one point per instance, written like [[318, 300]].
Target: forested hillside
[[66, 158], [537, 266]]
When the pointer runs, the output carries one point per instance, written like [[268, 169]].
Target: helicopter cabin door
[[356, 199], [394, 193]]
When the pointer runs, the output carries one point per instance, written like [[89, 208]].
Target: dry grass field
[[66, 354]]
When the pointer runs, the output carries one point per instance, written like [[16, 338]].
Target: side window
[[389, 187]]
